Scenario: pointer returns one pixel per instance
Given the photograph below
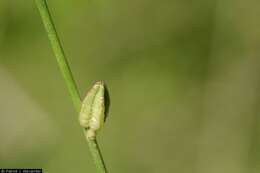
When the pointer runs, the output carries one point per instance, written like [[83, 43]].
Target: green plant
[[94, 107]]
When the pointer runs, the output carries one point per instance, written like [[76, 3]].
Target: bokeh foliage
[[183, 78]]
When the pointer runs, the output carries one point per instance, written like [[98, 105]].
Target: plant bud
[[94, 109]]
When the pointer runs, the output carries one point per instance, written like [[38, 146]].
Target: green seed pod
[[94, 109]]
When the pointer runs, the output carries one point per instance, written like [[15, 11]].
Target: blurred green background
[[183, 79]]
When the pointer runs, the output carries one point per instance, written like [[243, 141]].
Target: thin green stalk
[[68, 77], [97, 157], [59, 52]]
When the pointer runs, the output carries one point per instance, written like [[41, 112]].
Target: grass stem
[[97, 156], [68, 77], [59, 52]]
